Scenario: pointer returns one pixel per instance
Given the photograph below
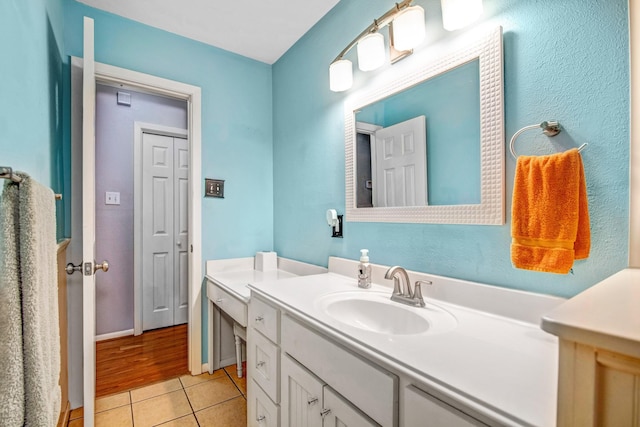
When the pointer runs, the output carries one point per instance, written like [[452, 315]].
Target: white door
[[165, 272], [88, 225], [400, 164]]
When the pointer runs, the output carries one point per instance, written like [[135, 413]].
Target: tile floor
[[207, 400]]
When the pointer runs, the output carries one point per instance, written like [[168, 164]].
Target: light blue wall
[[236, 120], [236, 124], [31, 92], [563, 60]]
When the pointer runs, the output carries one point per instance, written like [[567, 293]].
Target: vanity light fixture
[[371, 52], [406, 31], [370, 42], [457, 14]]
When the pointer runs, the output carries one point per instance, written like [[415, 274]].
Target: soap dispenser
[[364, 270]]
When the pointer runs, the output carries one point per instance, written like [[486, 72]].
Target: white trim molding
[[108, 74]]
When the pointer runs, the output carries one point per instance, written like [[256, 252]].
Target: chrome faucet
[[402, 287]]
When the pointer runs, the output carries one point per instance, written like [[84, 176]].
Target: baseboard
[[63, 419], [116, 334]]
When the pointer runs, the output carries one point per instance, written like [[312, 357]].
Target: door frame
[[139, 128], [111, 75]]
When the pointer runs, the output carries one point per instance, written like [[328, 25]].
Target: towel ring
[[549, 128]]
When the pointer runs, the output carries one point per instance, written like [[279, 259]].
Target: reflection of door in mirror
[[451, 100], [400, 158], [392, 164]]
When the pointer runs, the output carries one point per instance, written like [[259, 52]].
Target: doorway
[[141, 187], [120, 77]]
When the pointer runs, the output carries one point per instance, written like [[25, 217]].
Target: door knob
[[179, 243], [70, 268], [104, 266]]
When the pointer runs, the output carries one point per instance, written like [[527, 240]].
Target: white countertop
[[606, 315], [504, 368], [235, 282], [233, 275]]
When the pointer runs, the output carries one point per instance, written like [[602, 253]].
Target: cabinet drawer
[[264, 318], [264, 360], [420, 408], [375, 392], [228, 303], [262, 412]]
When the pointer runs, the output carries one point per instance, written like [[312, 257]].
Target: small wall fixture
[[335, 222], [406, 31]]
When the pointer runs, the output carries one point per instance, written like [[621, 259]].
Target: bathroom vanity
[[322, 351], [599, 330], [228, 297]]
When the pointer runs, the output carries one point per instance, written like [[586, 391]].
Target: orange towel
[[550, 214]]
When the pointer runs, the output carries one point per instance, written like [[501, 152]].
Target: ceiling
[[259, 29]]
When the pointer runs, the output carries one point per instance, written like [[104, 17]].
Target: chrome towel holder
[[549, 128], [7, 173]]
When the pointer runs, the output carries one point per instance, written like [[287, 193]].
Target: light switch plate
[[214, 188], [112, 198]]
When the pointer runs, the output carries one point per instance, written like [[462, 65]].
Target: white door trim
[[192, 94], [138, 129]]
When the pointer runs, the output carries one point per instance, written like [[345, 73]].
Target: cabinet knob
[[325, 412], [260, 418], [219, 300], [260, 364], [312, 401], [259, 319]]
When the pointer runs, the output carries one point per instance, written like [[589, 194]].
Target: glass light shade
[[408, 28], [457, 14], [340, 75], [371, 53]]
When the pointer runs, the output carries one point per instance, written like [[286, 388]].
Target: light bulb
[[408, 28], [371, 53], [457, 14], [340, 75]]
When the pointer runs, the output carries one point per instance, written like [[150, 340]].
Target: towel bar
[[7, 173], [549, 128]]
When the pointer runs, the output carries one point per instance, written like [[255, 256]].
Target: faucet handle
[[417, 291]]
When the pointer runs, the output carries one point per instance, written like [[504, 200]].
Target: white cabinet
[[422, 409], [263, 364], [309, 402], [299, 377], [301, 396], [262, 410], [339, 412], [369, 387], [318, 387]]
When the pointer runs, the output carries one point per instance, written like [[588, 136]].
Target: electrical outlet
[[112, 198]]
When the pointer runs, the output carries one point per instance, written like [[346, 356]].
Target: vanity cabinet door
[[262, 412], [339, 412], [422, 409], [301, 395]]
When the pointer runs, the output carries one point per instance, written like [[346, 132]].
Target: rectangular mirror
[[429, 146]]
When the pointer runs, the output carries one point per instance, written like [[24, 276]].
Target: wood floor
[[130, 362]]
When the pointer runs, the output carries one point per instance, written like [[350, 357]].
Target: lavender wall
[[114, 172]]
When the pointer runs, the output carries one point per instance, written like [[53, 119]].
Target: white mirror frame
[[491, 210]]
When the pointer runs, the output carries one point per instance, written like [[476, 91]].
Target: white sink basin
[[374, 311]]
